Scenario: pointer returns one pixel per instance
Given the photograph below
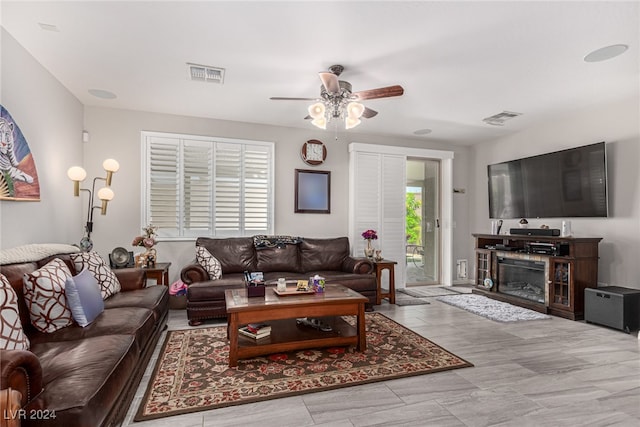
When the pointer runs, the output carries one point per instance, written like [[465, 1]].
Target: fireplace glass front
[[522, 278]]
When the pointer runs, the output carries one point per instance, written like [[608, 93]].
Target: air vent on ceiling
[[205, 73], [500, 118]]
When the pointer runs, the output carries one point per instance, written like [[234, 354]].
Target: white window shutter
[[393, 232], [197, 188], [257, 189], [367, 194], [228, 194], [163, 184], [203, 186]]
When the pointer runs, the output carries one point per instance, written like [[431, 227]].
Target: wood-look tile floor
[[553, 372]]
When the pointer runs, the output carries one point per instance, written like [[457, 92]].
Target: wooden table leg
[[232, 331], [392, 286], [362, 329]]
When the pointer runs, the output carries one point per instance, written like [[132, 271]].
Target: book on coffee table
[[256, 333]]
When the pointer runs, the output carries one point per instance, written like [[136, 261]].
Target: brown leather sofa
[[85, 376], [328, 258]]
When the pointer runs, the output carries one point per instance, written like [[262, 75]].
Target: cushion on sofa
[[45, 297], [323, 254], [92, 261], [235, 254], [12, 335], [278, 259], [208, 262], [85, 379], [134, 321], [154, 298], [84, 298]]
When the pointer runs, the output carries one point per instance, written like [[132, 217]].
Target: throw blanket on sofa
[[263, 242], [34, 252]]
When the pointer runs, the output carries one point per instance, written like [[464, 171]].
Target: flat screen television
[[563, 184]]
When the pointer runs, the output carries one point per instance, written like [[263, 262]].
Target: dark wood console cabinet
[[568, 272]]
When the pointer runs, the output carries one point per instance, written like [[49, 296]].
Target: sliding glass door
[[422, 222]]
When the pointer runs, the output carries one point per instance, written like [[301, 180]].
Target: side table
[[160, 272], [391, 293]]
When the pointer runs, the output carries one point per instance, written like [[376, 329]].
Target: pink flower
[[370, 235]]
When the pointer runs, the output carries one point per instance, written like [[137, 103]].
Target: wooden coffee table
[[281, 313]]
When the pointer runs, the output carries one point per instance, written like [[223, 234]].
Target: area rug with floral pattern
[[192, 372]]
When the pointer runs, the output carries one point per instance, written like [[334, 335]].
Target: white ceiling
[[458, 62]]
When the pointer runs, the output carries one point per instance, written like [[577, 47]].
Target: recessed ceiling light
[[605, 53], [422, 132], [104, 94], [48, 27]]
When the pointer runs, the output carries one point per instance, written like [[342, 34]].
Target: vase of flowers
[[369, 235], [147, 240]]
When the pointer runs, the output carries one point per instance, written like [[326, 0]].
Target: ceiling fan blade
[[381, 92], [308, 118], [280, 98], [368, 113], [330, 82]]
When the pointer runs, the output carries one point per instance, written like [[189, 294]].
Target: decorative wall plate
[[488, 283], [314, 152]]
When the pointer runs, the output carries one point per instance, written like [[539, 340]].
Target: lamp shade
[[317, 110], [320, 122], [111, 165], [105, 193], [351, 122], [76, 173], [355, 110]]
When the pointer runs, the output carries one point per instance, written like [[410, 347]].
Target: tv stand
[[555, 271]]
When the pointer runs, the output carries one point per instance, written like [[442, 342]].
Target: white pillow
[[84, 297], [12, 336], [92, 261], [209, 262], [45, 298]]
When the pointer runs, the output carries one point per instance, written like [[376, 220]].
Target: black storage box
[[613, 306], [256, 290]]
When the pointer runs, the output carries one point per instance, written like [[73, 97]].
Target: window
[[203, 186]]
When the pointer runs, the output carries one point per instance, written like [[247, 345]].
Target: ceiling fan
[[337, 101]]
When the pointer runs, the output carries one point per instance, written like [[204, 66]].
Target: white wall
[[51, 120], [619, 126], [116, 133]]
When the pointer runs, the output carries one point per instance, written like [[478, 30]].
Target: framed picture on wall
[[312, 191]]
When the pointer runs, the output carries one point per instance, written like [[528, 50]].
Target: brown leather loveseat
[[79, 377], [307, 257]]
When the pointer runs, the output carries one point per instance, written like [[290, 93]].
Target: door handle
[[437, 222]]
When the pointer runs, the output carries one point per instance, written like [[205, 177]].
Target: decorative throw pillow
[[208, 262], [12, 335], [92, 261], [84, 297], [45, 298]]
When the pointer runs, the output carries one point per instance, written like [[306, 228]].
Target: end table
[[391, 293], [160, 272]]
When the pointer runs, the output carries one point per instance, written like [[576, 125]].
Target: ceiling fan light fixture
[[317, 110], [320, 122], [355, 110], [351, 122]]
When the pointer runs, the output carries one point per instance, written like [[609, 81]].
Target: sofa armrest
[[357, 265], [131, 278], [21, 370], [193, 273]]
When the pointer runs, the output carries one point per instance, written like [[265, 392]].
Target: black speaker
[[535, 232], [121, 258]]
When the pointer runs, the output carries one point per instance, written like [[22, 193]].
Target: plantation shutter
[[257, 190], [200, 186], [163, 185], [197, 187], [228, 189], [377, 188]]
